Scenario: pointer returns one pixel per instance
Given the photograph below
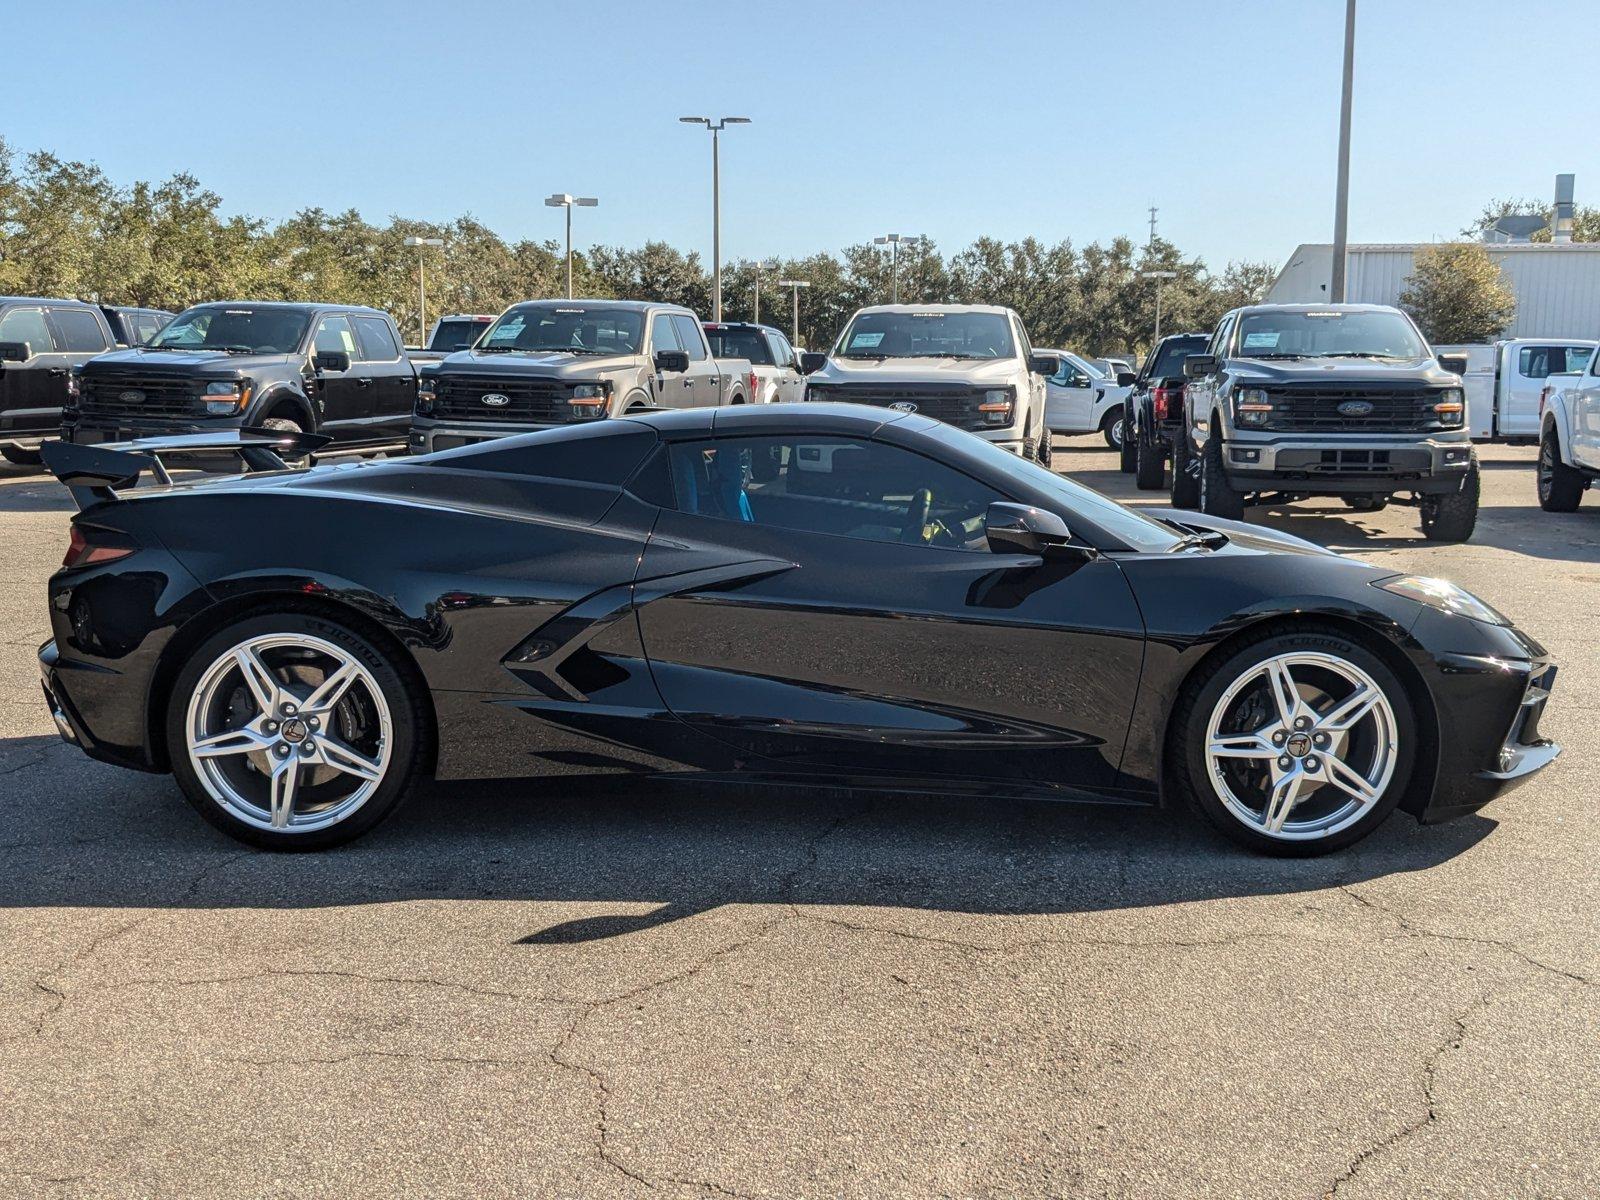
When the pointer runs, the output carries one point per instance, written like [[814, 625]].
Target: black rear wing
[[94, 473]]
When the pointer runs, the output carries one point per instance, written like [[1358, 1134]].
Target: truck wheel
[[1560, 487], [1128, 452], [1217, 496], [1151, 467], [1114, 427], [1185, 487], [23, 458], [1451, 518], [1046, 450]]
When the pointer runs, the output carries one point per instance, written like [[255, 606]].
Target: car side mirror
[[15, 351], [1456, 364], [1023, 529], [331, 360], [672, 360], [1126, 379], [1044, 364], [811, 362], [1198, 366]]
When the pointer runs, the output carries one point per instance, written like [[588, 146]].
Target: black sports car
[[805, 593]]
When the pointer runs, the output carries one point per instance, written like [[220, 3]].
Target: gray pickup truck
[[555, 362], [1290, 401]]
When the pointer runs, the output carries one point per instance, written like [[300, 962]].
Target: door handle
[[688, 383], [363, 383], [57, 371]]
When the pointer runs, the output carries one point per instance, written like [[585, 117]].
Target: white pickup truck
[[773, 365], [1569, 437], [1081, 398], [1503, 382]]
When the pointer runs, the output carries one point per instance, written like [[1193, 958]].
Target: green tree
[[1455, 294]]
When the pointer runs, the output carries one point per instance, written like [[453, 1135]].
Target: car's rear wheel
[[1218, 497], [1114, 428], [1150, 472], [1185, 487], [1560, 486], [23, 458], [1046, 449], [1453, 517], [292, 732], [1297, 743]]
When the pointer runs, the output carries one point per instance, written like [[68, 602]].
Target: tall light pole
[[422, 286], [563, 200], [762, 267], [1341, 200], [894, 241], [796, 284], [716, 127], [1160, 277]]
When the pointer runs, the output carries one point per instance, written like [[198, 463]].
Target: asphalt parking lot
[[645, 990]]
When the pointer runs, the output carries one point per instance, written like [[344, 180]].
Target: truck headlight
[[996, 406], [427, 395], [588, 400], [1252, 406], [1451, 408], [1443, 595], [225, 397]]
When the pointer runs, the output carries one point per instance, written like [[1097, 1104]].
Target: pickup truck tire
[[30, 458], [1185, 487], [1128, 453], [1046, 450], [1150, 471], [1114, 427], [1217, 496], [1560, 486], [1452, 517]]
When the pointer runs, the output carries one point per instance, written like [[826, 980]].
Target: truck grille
[[536, 400], [138, 396], [956, 406], [1317, 410]]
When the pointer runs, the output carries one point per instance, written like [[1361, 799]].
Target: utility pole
[[894, 241], [1160, 277], [796, 284], [770, 264], [716, 203], [422, 286], [1341, 201], [563, 200]]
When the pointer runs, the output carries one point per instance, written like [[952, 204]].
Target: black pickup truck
[[1155, 409], [41, 343], [313, 368]]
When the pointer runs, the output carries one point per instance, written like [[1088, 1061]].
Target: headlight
[[224, 397], [1443, 595], [1451, 408], [588, 400], [427, 394], [996, 406], [1252, 406]]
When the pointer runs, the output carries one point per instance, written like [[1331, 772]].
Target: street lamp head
[[586, 202], [794, 283], [1158, 274], [559, 200], [736, 120], [695, 120], [422, 241]]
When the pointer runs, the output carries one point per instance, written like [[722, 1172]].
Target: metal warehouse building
[[1557, 285]]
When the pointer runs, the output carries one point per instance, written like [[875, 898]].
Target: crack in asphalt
[[332, 1060]]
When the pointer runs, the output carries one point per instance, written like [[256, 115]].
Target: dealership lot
[[633, 988]]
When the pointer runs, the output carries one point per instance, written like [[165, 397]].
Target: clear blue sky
[[1058, 119]]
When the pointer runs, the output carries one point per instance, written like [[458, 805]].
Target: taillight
[[95, 546], [1160, 401]]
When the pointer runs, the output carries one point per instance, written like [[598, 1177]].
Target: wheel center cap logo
[[1299, 744], [294, 731]]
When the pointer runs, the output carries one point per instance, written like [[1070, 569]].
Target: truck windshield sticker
[[1326, 316], [1261, 341], [507, 331], [866, 341]]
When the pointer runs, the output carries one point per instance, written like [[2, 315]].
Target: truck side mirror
[[1456, 364], [811, 362], [1126, 379], [1198, 366], [15, 351], [1023, 529], [1044, 364], [331, 360], [672, 360]]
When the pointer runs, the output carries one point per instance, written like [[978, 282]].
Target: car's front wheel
[[1560, 486], [1297, 743], [1453, 517], [1114, 428], [1218, 497], [293, 732]]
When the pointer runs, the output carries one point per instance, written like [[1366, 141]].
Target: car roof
[[740, 325], [294, 306], [814, 417], [44, 300], [634, 305], [1253, 308], [998, 309]]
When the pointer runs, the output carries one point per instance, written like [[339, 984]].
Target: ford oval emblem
[[1355, 408], [903, 406], [130, 397], [496, 400]]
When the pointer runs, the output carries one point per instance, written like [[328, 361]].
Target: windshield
[[739, 343], [1170, 356], [572, 328], [927, 335], [1328, 333], [239, 329], [454, 335]]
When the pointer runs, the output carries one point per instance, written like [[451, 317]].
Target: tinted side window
[[690, 337], [604, 452], [78, 329], [27, 325], [842, 487], [663, 333], [377, 343], [150, 324], [334, 335], [782, 352]]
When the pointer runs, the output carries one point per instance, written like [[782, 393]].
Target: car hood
[[1341, 370], [165, 361], [543, 363], [1242, 536], [920, 370]]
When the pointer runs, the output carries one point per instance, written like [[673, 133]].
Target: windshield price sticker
[[1261, 341], [866, 341]]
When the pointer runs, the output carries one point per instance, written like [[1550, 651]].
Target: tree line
[[67, 229]]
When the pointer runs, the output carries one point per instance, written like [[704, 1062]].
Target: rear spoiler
[[97, 472]]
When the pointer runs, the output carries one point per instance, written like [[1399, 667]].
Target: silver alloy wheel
[[1330, 756], [270, 731], [1119, 430]]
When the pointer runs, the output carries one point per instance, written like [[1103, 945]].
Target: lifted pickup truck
[[458, 331], [1569, 437], [968, 364], [1347, 400], [554, 362], [312, 368], [41, 343], [1155, 409]]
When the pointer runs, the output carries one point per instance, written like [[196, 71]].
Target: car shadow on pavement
[[78, 834], [31, 489]]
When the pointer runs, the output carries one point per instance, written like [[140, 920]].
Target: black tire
[[23, 458], [1127, 454], [1185, 487], [1560, 486], [1452, 517], [1218, 497], [1366, 503], [1114, 427], [1150, 471], [1046, 450], [409, 723], [1186, 754]]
